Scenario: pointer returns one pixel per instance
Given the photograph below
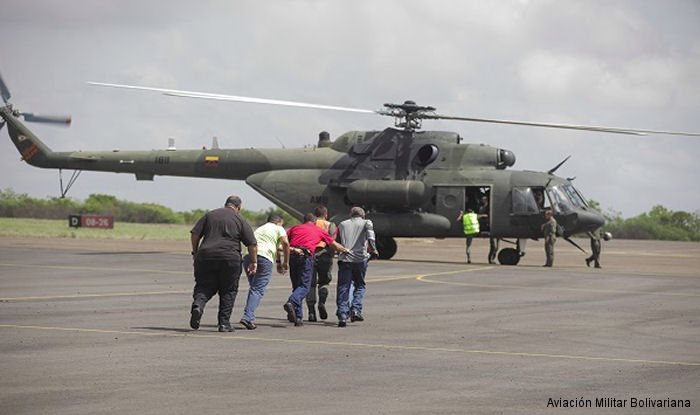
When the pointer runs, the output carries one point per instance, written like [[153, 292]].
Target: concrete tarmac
[[102, 327]]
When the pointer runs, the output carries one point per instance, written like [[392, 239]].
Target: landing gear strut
[[387, 247]]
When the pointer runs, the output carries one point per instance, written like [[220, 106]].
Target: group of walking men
[[306, 251]]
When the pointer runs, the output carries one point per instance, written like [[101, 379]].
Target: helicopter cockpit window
[[560, 201], [524, 201], [574, 196]]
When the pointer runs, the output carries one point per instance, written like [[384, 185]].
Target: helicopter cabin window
[[524, 201], [560, 200]]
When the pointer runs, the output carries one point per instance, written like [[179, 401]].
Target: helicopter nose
[[589, 221]]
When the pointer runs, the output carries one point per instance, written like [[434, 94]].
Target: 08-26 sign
[[91, 221]]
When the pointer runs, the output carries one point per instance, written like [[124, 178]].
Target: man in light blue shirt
[[354, 233]]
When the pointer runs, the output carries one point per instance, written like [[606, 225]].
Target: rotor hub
[[408, 115]]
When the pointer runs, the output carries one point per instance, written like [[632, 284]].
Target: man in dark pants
[[484, 212], [303, 240], [323, 263], [217, 260]]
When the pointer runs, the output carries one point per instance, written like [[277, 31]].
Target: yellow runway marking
[[74, 296], [350, 344], [100, 269], [123, 294], [525, 287]]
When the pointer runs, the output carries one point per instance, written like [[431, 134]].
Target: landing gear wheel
[[509, 256], [387, 247]]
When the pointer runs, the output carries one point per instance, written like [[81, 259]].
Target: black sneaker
[[248, 324], [356, 316], [195, 316], [342, 322], [298, 322], [322, 311], [291, 314], [312, 317], [225, 328]]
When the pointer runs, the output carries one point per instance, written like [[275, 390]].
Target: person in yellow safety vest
[[470, 225], [323, 264]]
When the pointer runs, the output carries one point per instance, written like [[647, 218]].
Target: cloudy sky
[[615, 63]]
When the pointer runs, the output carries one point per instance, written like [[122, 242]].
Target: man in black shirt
[[217, 260]]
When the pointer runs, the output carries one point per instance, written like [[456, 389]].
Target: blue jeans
[[257, 283], [350, 273], [301, 268]]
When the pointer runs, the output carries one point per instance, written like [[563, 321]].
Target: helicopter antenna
[[567, 239], [555, 168]]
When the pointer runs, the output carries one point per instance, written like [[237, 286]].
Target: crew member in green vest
[[470, 225]]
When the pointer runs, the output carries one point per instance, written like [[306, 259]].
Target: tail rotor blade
[[4, 91], [49, 119]]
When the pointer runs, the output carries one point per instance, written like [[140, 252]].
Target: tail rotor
[[64, 120]]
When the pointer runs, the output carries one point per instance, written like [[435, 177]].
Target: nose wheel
[[509, 256]]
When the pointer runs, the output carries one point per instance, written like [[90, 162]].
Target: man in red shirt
[[302, 241]]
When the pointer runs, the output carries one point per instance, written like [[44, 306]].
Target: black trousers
[[217, 276], [321, 278]]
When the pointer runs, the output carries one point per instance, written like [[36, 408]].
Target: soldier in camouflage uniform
[[595, 236], [549, 229]]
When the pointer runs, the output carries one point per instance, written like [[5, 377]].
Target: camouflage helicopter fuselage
[[412, 183]]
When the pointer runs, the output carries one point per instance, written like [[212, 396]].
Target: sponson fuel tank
[[385, 193], [410, 224]]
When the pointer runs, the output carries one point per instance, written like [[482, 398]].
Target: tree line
[[16, 205], [658, 223]]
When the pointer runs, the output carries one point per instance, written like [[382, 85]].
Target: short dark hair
[[274, 217], [320, 211], [309, 217], [233, 200]]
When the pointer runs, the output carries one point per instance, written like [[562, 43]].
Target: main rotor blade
[[222, 97], [49, 119], [4, 91], [631, 131]]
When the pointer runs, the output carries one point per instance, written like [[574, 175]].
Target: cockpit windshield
[[574, 196], [559, 198]]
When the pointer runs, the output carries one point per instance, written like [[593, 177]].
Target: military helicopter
[[412, 183]]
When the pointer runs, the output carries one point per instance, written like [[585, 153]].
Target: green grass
[[49, 228]]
